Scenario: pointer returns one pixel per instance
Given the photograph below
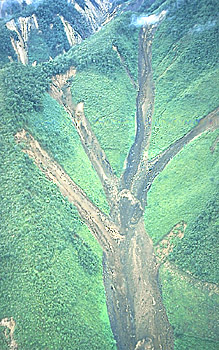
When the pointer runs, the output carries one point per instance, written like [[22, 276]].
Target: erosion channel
[[130, 270]]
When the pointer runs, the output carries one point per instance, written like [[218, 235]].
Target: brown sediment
[[214, 145], [210, 122], [130, 269], [134, 301], [130, 272], [60, 83], [165, 246], [60, 90], [10, 324], [122, 60], [103, 228]]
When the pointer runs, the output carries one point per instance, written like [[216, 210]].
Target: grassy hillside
[[192, 310], [51, 275]]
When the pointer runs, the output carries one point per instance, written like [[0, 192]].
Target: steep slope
[[8, 7], [51, 267], [40, 30]]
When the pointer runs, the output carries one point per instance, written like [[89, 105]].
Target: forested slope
[[50, 271], [36, 30]]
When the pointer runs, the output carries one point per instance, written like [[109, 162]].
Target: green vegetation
[[86, 258], [182, 190], [198, 252], [47, 14], [57, 277], [111, 109], [152, 5], [6, 49], [50, 40], [192, 310], [97, 53], [55, 132], [22, 89], [37, 47], [53, 33], [51, 265], [51, 280], [186, 72]]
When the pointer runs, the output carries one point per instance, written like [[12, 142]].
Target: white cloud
[[147, 20]]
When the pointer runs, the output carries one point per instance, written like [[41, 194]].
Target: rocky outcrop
[[22, 28], [72, 35], [9, 324], [92, 14], [58, 82], [95, 12]]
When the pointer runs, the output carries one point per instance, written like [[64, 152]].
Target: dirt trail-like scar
[[9, 323]]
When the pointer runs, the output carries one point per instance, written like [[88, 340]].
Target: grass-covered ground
[[183, 189], [192, 310], [51, 278], [186, 72], [110, 107], [55, 132], [198, 251]]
